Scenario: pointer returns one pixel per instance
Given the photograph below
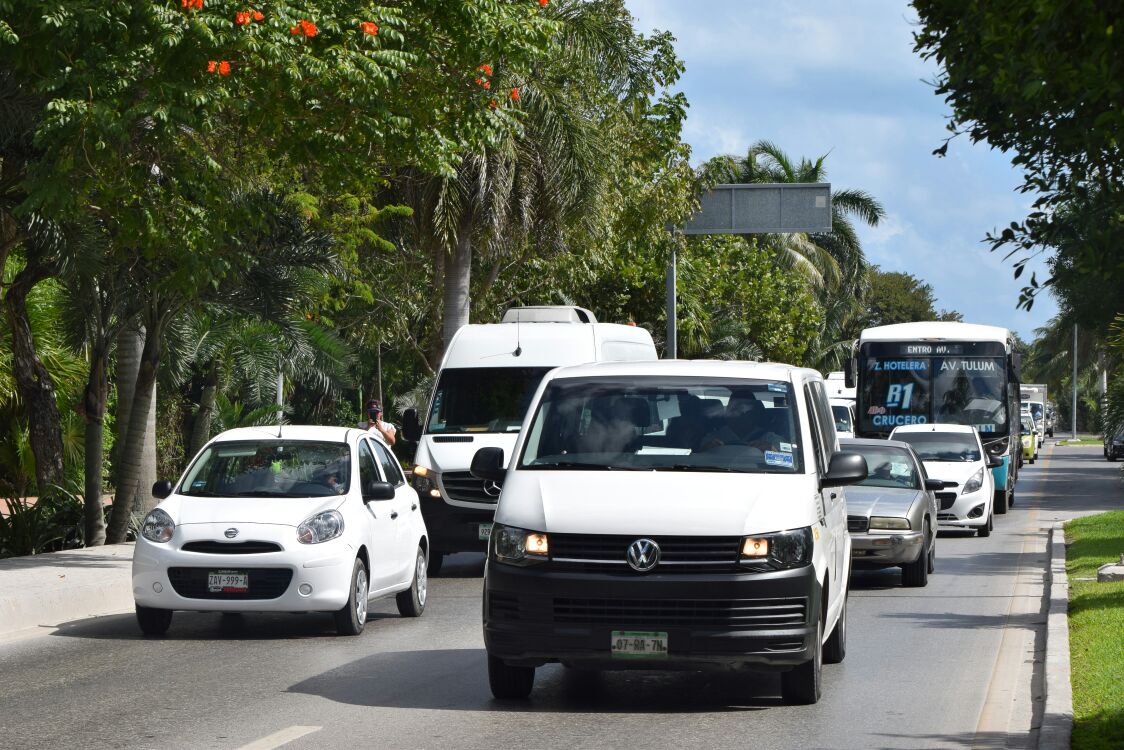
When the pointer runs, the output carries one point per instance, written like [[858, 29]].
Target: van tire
[[154, 621], [802, 685], [916, 573], [508, 682], [836, 647]]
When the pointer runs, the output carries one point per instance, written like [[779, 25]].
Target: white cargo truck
[[1033, 397]]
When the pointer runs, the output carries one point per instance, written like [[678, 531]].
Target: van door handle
[[393, 515]]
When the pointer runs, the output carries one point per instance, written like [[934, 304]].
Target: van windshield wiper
[[572, 465], [699, 467]]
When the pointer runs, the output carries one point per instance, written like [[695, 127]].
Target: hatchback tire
[[351, 618], [411, 602], [154, 621], [508, 682], [802, 685], [836, 647], [985, 530], [916, 573]]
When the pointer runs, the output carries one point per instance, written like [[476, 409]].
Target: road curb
[[1057, 718]]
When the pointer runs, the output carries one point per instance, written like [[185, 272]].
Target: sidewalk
[[45, 590]]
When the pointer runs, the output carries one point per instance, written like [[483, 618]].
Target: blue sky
[[841, 77]]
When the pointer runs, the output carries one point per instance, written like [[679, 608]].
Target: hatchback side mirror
[[161, 489], [488, 464], [411, 425], [994, 462], [934, 485], [377, 491], [845, 468]]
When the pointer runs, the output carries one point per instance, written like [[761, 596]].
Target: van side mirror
[[849, 372], [411, 426], [377, 491], [487, 463], [994, 462], [161, 489], [934, 485], [845, 468]]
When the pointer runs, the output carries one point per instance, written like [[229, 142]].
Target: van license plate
[[485, 531], [228, 582], [630, 644]]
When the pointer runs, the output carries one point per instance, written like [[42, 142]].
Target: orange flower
[[295, 30], [196, 4], [487, 85], [492, 104], [543, 3], [309, 29], [486, 68], [224, 68], [369, 27], [212, 66], [242, 17], [258, 15], [515, 95]]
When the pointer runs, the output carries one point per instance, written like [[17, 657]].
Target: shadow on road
[[211, 626], [457, 679]]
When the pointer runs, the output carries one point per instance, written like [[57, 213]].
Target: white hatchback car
[[291, 519], [954, 454]]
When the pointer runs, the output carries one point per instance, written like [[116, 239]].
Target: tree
[[897, 297]]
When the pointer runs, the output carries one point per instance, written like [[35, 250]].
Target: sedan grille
[[947, 499], [264, 583], [677, 553], [857, 524], [733, 614], [461, 485], [211, 547]]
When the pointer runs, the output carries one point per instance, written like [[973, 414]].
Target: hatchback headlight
[[158, 526], [518, 546], [779, 550], [886, 522], [321, 528], [974, 482]]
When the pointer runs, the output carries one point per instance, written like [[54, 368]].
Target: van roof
[[691, 368], [540, 344]]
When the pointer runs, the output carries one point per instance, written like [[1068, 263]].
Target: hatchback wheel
[[411, 602], [985, 530], [509, 682], [154, 621], [351, 618], [802, 685]]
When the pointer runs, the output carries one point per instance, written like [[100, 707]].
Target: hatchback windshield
[[1028, 424], [483, 399], [888, 467], [942, 446], [664, 423], [270, 468]]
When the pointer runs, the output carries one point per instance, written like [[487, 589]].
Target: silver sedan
[[892, 514]]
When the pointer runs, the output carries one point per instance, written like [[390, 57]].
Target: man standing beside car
[[376, 423]]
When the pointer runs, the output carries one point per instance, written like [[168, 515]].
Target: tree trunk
[[458, 275], [130, 344], [96, 396], [201, 429], [34, 383], [131, 495]]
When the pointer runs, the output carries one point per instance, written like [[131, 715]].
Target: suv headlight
[[425, 482], [779, 550], [321, 527], [887, 522], [518, 546], [974, 482], [158, 526]]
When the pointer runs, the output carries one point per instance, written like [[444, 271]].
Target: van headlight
[[158, 526], [425, 482], [779, 550], [974, 482], [321, 528], [519, 547]]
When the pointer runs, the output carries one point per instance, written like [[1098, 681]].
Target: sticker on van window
[[778, 387], [772, 458], [786, 447]]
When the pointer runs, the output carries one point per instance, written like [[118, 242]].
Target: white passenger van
[[487, 379], [670, 515]]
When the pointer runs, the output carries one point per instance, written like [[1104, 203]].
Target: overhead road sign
[[763, 209]]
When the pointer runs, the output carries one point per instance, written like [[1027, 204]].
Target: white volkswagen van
[[487, 378], [670, 515]]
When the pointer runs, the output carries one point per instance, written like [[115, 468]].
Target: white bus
[[953, 373]]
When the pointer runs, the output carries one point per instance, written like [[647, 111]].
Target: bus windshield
[[483, 399]]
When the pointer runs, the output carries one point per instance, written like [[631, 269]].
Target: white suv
[[667, 514]]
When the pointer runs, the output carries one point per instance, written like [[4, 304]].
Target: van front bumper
[[455, 528], [734, 620]]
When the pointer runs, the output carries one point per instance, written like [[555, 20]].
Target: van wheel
[[801, 686], [836, 647], [436, 559], [154, 621], [411, 602], [508, 682], [916, 573], [351, 618]]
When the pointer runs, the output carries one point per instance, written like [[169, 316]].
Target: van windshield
[[483, 399], [665, 423]]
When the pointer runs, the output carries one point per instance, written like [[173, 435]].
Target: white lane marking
[[283, 737]]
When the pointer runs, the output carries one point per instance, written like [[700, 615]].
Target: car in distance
[[1114, 443], [954, 454], [1029, 437], [892, 514], [283, 519], [670, 515]]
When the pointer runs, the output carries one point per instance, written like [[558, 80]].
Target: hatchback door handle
[[393, 515], [414, 506]]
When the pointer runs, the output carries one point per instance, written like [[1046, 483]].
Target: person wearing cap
[[375, 422]]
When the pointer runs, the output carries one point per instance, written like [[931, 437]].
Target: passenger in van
[[748, 422], [615, 425]]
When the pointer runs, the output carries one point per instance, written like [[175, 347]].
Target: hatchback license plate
[[630, 644], [228, 582], [484, 530]]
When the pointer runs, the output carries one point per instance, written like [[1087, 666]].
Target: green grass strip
[[1096, 632]]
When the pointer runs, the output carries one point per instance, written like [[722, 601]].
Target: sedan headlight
[[518, 546], [779, 550], [974, 482], [425, 482], [320, 528], [887, 522], [158, 526]]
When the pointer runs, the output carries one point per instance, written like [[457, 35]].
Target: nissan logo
[[643, 555], [491, 488], [230, 533]]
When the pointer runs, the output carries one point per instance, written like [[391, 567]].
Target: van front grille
[[461, 485], [677, 553]]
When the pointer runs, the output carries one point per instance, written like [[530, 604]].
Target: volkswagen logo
[[230, 533], [643, 555], [491, 488]]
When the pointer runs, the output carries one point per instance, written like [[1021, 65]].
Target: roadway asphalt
[[954, 665]]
